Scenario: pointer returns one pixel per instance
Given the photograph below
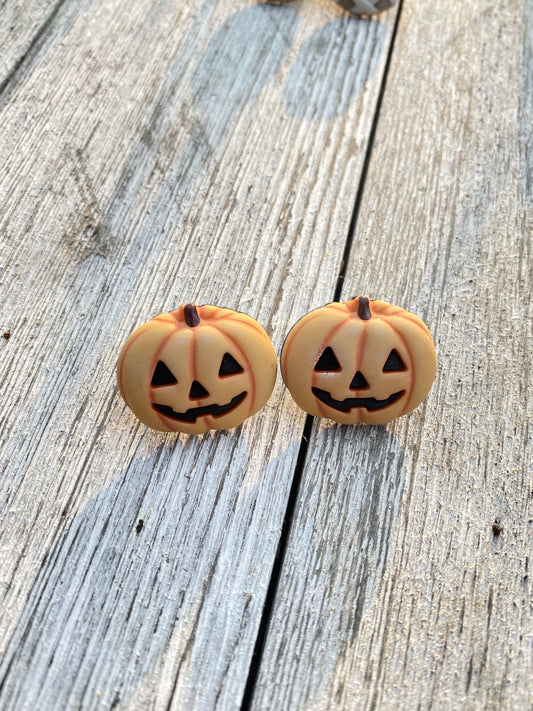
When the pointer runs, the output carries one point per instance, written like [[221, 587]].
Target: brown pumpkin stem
[[191, 315], [363, 310]]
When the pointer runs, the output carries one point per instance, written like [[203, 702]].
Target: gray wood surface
[[154, 153], [23, 27], [406, 582]]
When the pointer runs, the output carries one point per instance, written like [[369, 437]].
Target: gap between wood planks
[[32, 48], [268, 606]]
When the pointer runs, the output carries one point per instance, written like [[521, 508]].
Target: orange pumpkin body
[[197, 368], [359, 361]]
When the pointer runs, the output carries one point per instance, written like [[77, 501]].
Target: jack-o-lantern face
[[361, 361], [197, 368]]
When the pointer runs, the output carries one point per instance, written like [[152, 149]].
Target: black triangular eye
[[394, 362], [229, 366], [327, 361], [162, 375]]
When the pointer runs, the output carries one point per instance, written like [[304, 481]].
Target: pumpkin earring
[[359, 361], [197, 368]]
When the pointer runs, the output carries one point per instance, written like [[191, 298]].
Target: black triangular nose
[[197, 391], [358, 382]]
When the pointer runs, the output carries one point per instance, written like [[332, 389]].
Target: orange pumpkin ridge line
[[193, 360], [155, 358], [361, 346], [248, 365], [217, 310], [172, 320], [295, 330], [255, 326], [124, 353], [422, 326], [324, 341], [394, 311], [234, 315], [332, 332], [411, 365], [193, 357], [403, 313]]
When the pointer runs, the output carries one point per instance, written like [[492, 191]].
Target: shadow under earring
[[359, 8], [362, 8]]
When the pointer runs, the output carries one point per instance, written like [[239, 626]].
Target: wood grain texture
[[155, 153], [23, 23], [406, 583]]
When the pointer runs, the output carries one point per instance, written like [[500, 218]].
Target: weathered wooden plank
[[22, 24], [158, 153], [397, 590]]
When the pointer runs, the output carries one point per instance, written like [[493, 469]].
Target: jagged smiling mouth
[[370, 403], [193, 413]]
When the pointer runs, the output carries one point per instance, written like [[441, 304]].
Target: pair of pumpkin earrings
[[205, 367]]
